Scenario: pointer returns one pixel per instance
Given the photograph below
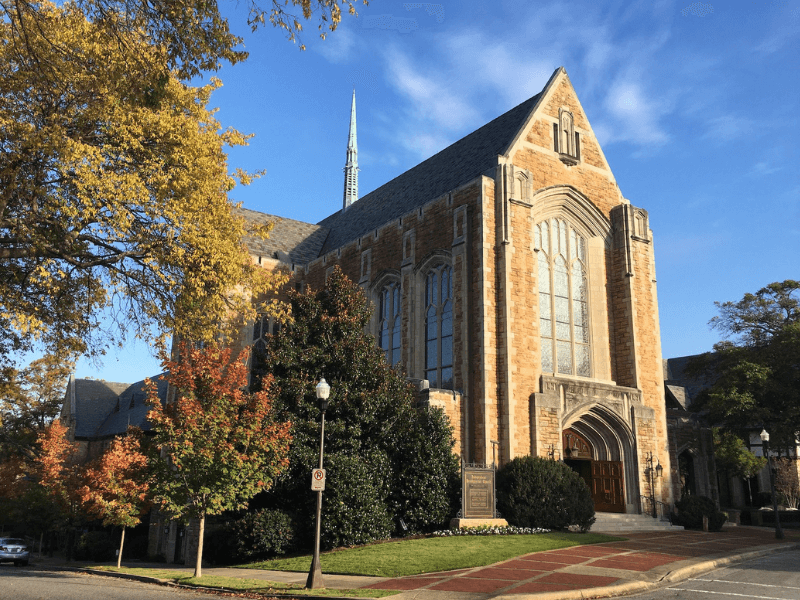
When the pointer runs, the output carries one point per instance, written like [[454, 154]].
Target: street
[[773, 577], [24, 583]]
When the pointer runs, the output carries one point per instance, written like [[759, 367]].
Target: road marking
[[780, 587], [683, 589]]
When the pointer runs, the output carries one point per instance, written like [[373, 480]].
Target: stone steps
[[627, 523]]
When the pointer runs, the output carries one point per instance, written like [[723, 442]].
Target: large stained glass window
[[389, 326], [563, 299], [439, 327]]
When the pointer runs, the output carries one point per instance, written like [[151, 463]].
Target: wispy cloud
[[338, 47], [635, 114], [763, 168], [728, 127]]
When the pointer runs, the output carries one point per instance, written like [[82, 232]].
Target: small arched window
[[264, 326], [389, 323], [563, 299], [439, 327]]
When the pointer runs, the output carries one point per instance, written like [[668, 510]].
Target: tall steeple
[[351, 166]]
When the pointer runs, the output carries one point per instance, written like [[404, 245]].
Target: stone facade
[[551, 316]]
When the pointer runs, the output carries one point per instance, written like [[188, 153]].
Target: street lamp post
[[314, 580], [765, 448], [652, 473]]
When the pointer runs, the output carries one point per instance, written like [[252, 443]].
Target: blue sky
[[696, 106]]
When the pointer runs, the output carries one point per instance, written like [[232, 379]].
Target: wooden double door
[[603, 477]]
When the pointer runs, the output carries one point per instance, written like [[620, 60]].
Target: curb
[[200, 588], [636, 587]]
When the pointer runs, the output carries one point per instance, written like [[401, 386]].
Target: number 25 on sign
[[318, 480]]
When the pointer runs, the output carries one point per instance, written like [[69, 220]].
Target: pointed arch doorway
[[603, 477]]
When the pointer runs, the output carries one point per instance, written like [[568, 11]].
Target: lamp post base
[[315, 580]]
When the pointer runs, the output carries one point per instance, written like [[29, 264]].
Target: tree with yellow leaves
[[114, 181]]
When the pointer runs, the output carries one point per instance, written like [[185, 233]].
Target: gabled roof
[[447, 170], [103, 408], [94, 400], [290, 241], [133, 409]]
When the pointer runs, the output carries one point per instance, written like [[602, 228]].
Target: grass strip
[[429, 555], [257, 586]]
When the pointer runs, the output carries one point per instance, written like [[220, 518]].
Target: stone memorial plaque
[[478, 493]]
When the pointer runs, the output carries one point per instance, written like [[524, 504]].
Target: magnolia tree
[[116, 486], [217, 445]]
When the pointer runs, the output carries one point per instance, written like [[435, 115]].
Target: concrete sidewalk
[[644, 561]]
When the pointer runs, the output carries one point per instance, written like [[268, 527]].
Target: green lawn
[[411, 557], [237, 584]]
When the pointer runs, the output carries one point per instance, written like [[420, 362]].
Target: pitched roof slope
[[95, 399], [454, 166], [133, 409], [301, 242]]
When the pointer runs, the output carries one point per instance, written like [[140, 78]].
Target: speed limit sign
[[318, 480]]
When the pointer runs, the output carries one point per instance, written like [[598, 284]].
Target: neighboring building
[[95, 411], [691, 444]]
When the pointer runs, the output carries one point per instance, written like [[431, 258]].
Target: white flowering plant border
[[490, 530]]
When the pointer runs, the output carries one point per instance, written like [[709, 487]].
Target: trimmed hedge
[[692, 509], [537, 492]]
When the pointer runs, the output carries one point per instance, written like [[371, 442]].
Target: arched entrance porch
[[599, 447]]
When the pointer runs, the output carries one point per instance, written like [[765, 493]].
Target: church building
[[515, 285]]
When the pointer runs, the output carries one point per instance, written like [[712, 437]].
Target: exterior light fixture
[[315, 581]]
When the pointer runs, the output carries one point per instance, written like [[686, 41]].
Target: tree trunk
[[198, 566], [41, 539], [121, 543]]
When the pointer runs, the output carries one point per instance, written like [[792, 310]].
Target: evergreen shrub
[[262, 534], [96, 546], [692, 509], [537, 492]]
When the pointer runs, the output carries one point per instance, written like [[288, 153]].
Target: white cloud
[[338, 46], [727, 128], [635, 115], [763, 168]]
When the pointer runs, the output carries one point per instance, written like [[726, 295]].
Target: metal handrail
[[663, 509]]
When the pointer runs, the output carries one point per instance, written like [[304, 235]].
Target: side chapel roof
[[103, 408], [298, 241]]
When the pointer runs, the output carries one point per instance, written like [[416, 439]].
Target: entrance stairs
[[628, 523]]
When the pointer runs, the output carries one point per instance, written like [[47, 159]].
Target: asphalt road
[[21, 583], [773, 577]]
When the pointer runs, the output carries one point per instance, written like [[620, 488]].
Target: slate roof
[[96, 403], [299, 242], [684, 387], [454, 166], [132, 409], [94, 400]]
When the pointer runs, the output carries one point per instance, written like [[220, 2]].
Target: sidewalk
[[644, 561]]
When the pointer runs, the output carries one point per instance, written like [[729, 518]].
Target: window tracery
[[439, 327], [389, 322], [563, 299]]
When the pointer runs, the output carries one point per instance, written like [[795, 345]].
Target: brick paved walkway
[[643, 557]]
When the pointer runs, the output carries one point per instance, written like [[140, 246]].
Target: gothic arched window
[[389, 324], [439, 327], [563, 299], [263, 327]]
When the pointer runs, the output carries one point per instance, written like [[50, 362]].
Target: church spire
[[351, 166]]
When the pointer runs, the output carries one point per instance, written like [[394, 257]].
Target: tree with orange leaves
[[218, 444], [117, 484], [61, 474]]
